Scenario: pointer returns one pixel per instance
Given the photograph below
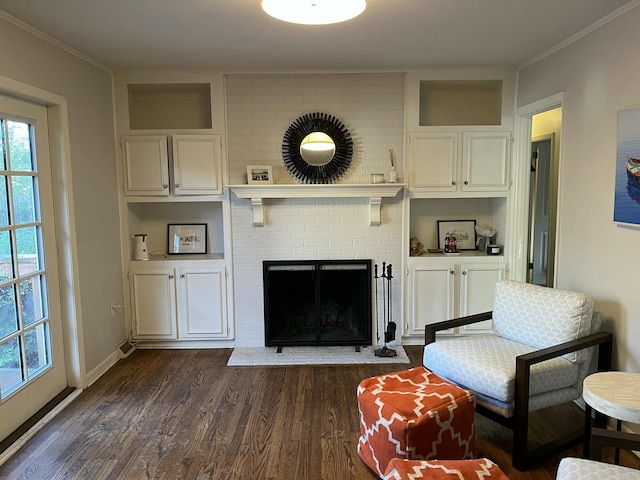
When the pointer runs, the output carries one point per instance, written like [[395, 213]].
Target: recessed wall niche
[[163, 106], [460, 102]]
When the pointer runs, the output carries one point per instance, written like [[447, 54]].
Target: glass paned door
[[32, 367], [24, 327]]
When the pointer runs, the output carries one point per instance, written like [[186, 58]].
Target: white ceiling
[[237, 36]]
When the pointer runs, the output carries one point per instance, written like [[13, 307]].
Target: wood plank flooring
[[183, 414]]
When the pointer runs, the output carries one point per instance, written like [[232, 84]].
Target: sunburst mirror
[[317, 148]]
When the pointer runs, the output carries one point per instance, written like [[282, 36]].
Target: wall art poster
[[187, 238], [626, 208]]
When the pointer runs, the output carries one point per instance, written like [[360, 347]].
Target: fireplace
[[317, 302]]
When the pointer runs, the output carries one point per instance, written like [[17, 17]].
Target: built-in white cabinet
[[459, 162], [185, 302], [445, 288], [193, 168]]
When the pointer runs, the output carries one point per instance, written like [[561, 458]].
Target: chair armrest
[[604, 339], [431, 329]]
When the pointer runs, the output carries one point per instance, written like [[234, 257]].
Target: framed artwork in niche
[[626, 207], [463, 230], [187, 238]]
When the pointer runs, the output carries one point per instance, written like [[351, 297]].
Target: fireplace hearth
[[317, 302]]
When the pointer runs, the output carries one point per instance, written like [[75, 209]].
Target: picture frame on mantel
[[463, 230], [187, 238], [259, 175]]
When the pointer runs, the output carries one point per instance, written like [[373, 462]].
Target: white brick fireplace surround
[[259, 110]]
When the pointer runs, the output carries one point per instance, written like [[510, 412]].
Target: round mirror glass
[[317, 149]]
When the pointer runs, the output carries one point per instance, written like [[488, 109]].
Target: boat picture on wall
[[627, 193], [633, 171]]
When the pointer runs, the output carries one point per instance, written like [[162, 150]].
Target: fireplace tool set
[[389, 325]]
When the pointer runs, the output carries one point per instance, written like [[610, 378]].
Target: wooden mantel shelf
[[374, 192]]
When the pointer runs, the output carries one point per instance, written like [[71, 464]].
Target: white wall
[[260, 108], [28, 59], [599, 75]]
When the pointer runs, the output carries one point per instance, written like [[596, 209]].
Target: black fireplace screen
[[318, 302]]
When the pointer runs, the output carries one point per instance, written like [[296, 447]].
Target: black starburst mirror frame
[[317, 122]]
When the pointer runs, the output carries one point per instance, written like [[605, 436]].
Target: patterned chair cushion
[[582, 469], [481, 468], [414, 414], [486, 364], [540, 316]]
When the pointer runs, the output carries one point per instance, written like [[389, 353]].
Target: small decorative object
[[140, 251], [259, 174], [377, 178], [415, 247], [393, 176], [187, 238], [484, 237], [464, 232], [450, 243], [493, 250]]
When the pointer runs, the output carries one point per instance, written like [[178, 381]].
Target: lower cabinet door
[[154, 303], [202, 303], [432, 297], [477, 291]]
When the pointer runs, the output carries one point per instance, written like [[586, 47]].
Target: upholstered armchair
[[536, 357]]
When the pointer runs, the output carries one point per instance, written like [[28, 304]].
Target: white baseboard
[[102, 368], [28, 435]]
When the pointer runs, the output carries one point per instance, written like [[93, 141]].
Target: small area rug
[[267, 356]]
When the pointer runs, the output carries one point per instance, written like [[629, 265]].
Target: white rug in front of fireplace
[[267, 356]]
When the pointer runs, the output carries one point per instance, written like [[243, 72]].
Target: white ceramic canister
[[140, 251], [377, 178]]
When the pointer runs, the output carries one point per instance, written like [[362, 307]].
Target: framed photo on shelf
[[187, 238], [463, 230], [259, 174]]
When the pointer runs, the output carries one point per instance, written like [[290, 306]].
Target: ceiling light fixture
[[314, 12]]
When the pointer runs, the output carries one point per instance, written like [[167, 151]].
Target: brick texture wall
[[260, 108]]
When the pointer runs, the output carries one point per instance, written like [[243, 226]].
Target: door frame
[[58, 120], [519, 214]]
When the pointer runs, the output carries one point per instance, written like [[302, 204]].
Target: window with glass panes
[[24, 327]]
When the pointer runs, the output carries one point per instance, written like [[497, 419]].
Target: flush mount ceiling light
[[314, 12]]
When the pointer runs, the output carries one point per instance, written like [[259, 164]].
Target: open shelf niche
[[489, 213], [153, 219]]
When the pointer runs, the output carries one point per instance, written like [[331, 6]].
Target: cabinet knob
[[464, 272], [165, 185], [453, 182], [182, 275], [170, 276], [466, 182], [177, 185], [452, 272]]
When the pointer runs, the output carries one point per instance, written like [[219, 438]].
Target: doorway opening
[[543, 197]]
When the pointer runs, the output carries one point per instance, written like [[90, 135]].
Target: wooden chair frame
[[522, 457]]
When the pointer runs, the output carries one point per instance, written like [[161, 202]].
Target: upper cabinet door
[[485, 166], [146, 165], [434, 162], [197, 165]]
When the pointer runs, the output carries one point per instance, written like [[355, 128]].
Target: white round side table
[[614, 394]]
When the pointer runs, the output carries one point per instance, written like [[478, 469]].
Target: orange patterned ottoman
[[399, 469], [414, 414]]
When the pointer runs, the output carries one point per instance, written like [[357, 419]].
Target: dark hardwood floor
[[183, 414]]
